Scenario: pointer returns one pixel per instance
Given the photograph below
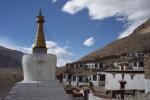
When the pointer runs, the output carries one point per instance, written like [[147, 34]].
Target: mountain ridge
[[138, 41], [10, 58]]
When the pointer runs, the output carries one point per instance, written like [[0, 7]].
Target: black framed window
[[141, 64], [80, 79], [94, 77], [102, 77], [74, 78]]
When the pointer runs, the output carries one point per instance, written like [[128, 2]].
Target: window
[[86, 66], [131, 54], [64, 76], [100, 65], [74, 78], [94, 77], [80, 79], [96, 65], [141, 64], [69, 77], [135, 64], [77, 66], [102, 77], [90, 78]]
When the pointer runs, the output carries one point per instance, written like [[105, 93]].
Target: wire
[[27, 40], [50, 37]]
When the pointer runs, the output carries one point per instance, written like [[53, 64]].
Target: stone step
[[38, 89], [44, 91], [39, 98]]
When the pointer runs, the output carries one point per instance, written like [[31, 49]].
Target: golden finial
[[40, 45]]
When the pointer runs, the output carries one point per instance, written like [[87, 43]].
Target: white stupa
[[39, 73]]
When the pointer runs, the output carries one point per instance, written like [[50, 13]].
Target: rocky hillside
[[10, 58], [138, 41], [10, 69]]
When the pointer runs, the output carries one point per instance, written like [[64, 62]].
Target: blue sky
[[73, 28]]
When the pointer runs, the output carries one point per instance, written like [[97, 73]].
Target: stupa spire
[[40, 44], [40, 12]]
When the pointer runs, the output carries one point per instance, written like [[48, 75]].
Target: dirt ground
[[8, 78]]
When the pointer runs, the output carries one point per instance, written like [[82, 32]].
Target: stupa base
[[51, 90]]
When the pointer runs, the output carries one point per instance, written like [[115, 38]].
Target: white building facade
[[133, 81], [130, 61]]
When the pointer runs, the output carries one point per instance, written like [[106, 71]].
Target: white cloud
[[89, 41], [53, 1], [134, 12], [67, 41], [74, 6], [63, 54]]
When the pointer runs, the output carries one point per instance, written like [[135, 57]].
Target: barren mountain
[[138, 41], [10, 58], [10, 69]]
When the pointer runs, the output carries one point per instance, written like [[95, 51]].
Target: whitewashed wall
[[39, 67], [74, 83], [147, 85], [90, 65], [112, 83]]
